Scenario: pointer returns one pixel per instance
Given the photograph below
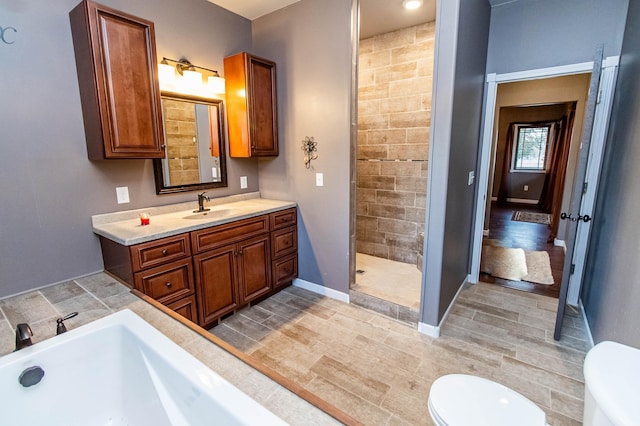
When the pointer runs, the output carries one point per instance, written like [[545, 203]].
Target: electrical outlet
[[122, 194], [319, 179], [243, 182], [526, 188]]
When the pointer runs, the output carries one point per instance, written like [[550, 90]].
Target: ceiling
[[376, 16]]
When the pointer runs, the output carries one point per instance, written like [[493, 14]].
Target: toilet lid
[[460, 399]]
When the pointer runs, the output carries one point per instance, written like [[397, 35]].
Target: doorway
[[534, 154], [395, 69], [587, 169]]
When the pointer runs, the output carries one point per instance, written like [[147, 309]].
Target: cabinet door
[[254, 268], [262, 107], [116, 63], [216, 283]]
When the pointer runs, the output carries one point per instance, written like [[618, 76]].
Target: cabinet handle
[[165, 252], [240, 252], [168, 285]]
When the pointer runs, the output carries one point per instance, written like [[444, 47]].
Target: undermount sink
[[212, 214]]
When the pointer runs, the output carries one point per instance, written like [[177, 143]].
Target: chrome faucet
[[23, 336], [201, 199]]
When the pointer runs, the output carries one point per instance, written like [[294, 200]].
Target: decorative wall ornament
[[310, 148]]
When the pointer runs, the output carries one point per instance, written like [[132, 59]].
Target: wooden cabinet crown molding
[[117, 74]]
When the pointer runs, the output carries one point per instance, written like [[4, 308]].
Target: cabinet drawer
[[284, 270], [284, 242], [185, 307], [283, 218], [158, 252], [167, 282], [218, 236]]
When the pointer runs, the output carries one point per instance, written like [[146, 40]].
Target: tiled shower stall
[[394, 118]]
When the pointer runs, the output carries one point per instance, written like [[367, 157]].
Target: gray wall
[[311, 43], [611, 292], [530, 34], [49, 187], [460, 62]]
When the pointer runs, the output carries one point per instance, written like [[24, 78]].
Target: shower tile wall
[[394, 117]]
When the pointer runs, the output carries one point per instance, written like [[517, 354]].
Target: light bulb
[[412, 4]]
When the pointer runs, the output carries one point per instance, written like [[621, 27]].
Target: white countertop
[[125, 228]]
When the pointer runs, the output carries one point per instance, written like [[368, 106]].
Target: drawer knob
[[168, 285], [165, 252]]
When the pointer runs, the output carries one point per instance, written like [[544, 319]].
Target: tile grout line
[[93, 295]]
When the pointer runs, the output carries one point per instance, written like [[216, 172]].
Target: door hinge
[[599, 98], [573, 269], [584, 187]]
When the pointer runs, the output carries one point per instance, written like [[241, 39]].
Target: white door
[[604, 103]]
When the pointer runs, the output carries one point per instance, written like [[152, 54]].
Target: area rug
[[516, 264], [503, 262], [539, 267], [533, 217]]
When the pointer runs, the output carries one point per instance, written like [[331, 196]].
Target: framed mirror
[[194, 139]]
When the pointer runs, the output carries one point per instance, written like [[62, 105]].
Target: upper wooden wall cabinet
[[251, 106], [117, 73]]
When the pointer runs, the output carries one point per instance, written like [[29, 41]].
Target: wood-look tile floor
[[379, 371]]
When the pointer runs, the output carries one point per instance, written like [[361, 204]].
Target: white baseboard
[[485, 232], [560, 243], [586, 323], [322, 290], [429, 330], [434, 331], [518, 200]]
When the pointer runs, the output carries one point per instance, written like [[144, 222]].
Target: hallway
[[529, 236]]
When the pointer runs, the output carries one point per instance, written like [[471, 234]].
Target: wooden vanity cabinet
[[161, 269], [284, 247], [233, 267], [208, 273], [119, 90], [252, 112]]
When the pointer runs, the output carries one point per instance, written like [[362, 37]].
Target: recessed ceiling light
[[412, 4]]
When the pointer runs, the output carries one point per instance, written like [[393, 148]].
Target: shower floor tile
[[388, 280]]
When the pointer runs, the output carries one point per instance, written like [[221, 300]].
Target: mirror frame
[[158, 170]]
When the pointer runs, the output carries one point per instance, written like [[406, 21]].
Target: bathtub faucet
[[23, 336]]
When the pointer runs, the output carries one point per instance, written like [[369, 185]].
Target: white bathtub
[[119, 370]]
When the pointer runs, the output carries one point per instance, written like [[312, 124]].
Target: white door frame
[[607, 86]]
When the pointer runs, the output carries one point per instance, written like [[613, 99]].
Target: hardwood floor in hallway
[[379, 371], [529, 236]]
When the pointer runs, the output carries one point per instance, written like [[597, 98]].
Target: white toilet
[[461, 400], [612, 385]]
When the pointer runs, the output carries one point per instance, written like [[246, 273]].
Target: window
[[531, 146]]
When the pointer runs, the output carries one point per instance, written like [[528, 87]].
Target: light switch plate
[[319, 179], [122, 194], [243, 182], [472, 177]]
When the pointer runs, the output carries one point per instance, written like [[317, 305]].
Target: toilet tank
[[612, 385]]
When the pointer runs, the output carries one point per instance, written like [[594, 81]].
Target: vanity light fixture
[[188, 79], [412, 4]]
